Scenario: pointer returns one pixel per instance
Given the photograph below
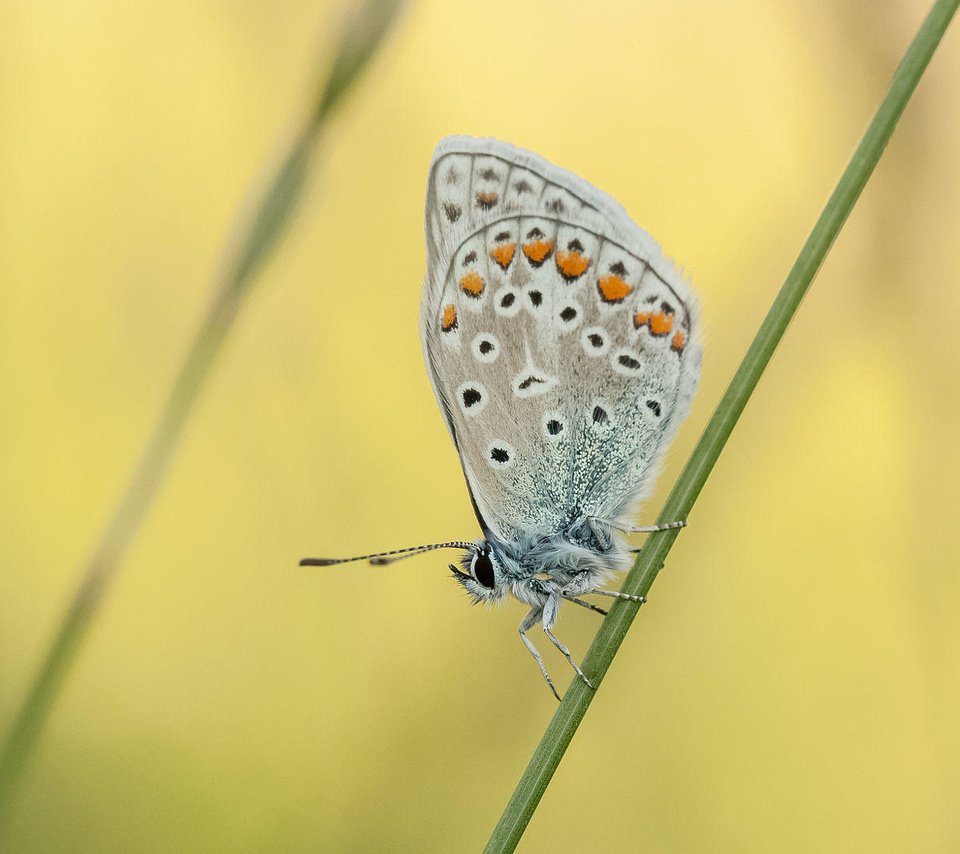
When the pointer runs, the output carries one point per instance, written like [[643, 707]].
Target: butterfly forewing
[[561, 344]]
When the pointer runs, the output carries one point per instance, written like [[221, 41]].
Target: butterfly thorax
[[540, 563]]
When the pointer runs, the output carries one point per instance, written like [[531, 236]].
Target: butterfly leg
[[584, 604], [648, 529], [616, 594], [528, 623], [551, 610]]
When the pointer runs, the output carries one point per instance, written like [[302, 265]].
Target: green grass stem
[[365, 27], [570, 712]]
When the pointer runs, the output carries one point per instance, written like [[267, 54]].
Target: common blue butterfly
[[564, 350]]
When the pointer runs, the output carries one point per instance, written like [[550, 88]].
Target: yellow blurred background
[[794, 684]]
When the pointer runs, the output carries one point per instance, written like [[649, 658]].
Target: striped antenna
[[383, 558]]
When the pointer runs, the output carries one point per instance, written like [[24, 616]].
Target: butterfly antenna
[[383, 558]]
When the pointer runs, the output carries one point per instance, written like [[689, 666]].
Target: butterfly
[[564, 351]]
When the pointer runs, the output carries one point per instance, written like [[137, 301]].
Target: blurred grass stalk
[[365, 27], [570, 712]]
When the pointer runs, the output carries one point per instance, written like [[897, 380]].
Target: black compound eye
[[482, 568]]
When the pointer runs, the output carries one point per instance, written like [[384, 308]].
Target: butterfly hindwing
[[561, 344]]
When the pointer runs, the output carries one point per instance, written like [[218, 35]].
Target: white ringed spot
[[554, 426], [595, 341], [472, 398], [627, 362], [600, 415], [567, 316], [531, 382], [485, 348], [506, 302], [500, 454]]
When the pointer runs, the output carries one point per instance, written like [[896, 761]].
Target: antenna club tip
[[316, 561]]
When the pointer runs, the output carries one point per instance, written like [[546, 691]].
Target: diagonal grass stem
[[365, 29], [540, 770]]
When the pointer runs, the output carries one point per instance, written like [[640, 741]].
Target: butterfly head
[[482, 573]]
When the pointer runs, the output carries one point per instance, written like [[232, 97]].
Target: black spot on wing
[[529, 381]]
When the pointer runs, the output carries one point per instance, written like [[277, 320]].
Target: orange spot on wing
[[449, 319], [641, 318], [613, 288], [572, 264], [678, 342], [537, 250], [472, 285], [661, 323], [503, 254], [487, 200]]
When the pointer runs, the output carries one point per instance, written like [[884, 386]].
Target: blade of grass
[[570, 712], [365, 28]]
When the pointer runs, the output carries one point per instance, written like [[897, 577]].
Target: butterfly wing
[[562, 346]]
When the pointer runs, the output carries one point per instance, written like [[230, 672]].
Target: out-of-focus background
[[794, 684]]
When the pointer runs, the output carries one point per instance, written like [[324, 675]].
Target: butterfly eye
[[482, 568]]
